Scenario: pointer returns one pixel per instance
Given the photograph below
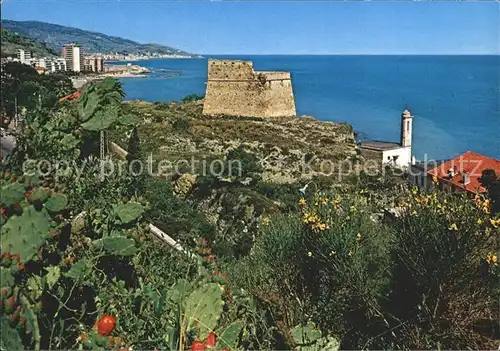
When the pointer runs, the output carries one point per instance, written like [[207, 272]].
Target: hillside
[[12, 41], [55, 36]]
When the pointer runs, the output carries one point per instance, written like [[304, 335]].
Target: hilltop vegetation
[[267, 265], [12, 41], [55, 36]]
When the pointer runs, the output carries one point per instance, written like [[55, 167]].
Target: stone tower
[[235, 89], [406, 128]]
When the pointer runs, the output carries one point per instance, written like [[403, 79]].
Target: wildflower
[[349, 253], [453, 227], [265, 220], [332, 253], [302, 202], [492, 259], [353, 209], [358, 237], [479, 221], [309, 254], [435, 180], [495, 223], [324, 201]]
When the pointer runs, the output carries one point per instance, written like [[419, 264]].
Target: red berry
[[197, 346], [105, 325], [211, 339]]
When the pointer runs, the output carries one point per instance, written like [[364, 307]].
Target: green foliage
[[175, 215], [181, 125], [202, 309], [309, 338], [135, 164], [22, 84], [229, 337], [128, 212], [116, 245], [12, 194], [25, 234], [440, 271], [12, 41], [56, 203], [191, 97], [244, 164]]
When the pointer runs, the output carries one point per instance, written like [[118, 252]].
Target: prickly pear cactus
[[228, 339], [308, 338], [203, 309], [128, 212], [116, 245], [56, 203], [25, 234], [12, 194]]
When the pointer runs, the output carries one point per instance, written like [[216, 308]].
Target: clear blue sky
[[284, 27]]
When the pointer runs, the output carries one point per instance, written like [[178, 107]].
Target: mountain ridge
[[55, 36]]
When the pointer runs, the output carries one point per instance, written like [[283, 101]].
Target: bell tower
[[406, 128]]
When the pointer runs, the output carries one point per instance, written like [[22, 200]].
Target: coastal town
[[235, 206], [84, 66]]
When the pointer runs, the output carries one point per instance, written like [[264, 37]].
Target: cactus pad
[[56, 203], [203, 309], [12, 194], [25, 234], [128, 212]]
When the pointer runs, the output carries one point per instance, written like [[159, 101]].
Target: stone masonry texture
[[235, 89]]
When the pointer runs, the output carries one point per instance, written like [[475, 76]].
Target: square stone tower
[[235, 89]]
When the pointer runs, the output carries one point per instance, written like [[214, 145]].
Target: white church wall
[[400, 157]]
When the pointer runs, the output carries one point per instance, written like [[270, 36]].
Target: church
[[392, 153]]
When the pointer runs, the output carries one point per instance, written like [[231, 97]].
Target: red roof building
[[462, 173], [73, 96]]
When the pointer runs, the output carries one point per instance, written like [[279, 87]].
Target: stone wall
[[235, 89]]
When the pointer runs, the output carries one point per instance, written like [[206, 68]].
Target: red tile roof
[[469, 163], [73, 96]]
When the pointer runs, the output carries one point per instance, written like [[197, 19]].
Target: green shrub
[[442, 285], [191, 97]]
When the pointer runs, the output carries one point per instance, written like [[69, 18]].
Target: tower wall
[[235, 89], [406, 128]]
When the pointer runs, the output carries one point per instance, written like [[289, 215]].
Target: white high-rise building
[[72, 55]]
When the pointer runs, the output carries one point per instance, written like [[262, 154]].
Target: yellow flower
[[495, 223], [453, 227], [324, 201], [492, 259], [265, 220], [479, 221], [302, 202], [435, 180], [353, 209], [309, 254]]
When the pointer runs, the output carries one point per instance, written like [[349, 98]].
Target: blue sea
[[455, 99]]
